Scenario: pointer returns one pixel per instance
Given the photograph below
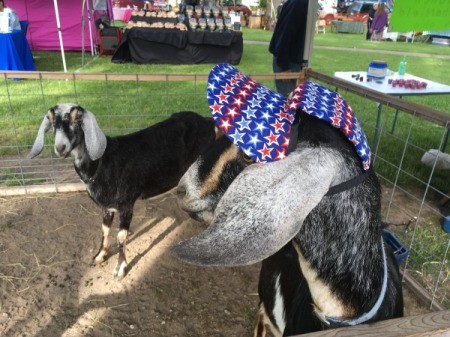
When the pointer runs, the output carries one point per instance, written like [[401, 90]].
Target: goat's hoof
[[120, 271], [100, 257]]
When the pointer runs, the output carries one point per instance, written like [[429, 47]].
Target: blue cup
[[446, 224]]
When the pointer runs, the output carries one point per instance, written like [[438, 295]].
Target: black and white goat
[[119, 170], [324, 261]]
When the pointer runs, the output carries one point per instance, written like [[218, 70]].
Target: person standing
[[280, 6], [288, 42], [370, 19], [380, 21], [14, 22]]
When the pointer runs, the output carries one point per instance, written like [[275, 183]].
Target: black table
[[172, 46]]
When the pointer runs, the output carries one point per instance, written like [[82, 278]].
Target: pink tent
[[42, 15]]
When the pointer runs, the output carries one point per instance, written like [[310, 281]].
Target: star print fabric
[[259, 120]]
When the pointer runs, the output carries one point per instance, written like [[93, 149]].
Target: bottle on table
[[402, 67]]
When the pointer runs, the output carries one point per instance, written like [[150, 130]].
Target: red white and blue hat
[[259, 120]]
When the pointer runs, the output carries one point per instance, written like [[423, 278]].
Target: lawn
[[124, 106], [129, 105]]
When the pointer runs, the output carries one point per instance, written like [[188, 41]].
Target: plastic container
[[446, 224], [402, 67], [377, 70], [400, 252]]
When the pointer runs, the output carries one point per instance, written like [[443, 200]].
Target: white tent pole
[[82, 32], [58, 24], [310, 30], [90, 27]]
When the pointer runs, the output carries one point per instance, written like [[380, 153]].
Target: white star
[[211, 86], [270, 106], [266, 115], [275, 99], [254, 139], [248, 151], [260, 127]]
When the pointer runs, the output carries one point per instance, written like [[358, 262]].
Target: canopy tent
[[61, 25], [42, 16]]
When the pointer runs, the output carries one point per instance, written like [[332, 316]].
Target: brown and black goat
[[119, 170], [324, 262]]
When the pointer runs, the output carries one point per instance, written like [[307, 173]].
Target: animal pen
[[415, 200]]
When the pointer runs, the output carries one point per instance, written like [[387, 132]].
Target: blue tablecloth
[[15, 53]]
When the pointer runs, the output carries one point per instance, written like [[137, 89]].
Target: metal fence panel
[[415, 199]]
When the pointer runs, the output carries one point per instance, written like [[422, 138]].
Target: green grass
[[359, 41], [128, 105]]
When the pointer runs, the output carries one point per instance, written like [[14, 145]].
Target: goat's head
[[255, 209], [72, 125], [204, 184]]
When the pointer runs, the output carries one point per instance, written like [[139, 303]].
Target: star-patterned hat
[[259, 120]]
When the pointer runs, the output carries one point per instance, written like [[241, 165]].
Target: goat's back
[[156, 157]]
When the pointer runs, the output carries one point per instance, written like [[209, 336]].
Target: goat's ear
[[39, 141], [262, 210], [94, 137]]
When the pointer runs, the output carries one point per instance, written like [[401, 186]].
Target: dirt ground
[[48, 286]]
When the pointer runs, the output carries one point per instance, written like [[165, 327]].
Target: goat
[[316, 229], [119, 170]]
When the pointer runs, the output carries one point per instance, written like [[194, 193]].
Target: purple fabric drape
[[42, 29]]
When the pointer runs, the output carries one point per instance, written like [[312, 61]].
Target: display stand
[[200, 34]]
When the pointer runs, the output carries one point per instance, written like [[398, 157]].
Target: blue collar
[[339, 322]]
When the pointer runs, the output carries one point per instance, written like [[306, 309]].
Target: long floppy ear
[[262, 210], [39, 141], [94, 137]]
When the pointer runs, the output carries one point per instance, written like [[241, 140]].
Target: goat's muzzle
[[60, 150]]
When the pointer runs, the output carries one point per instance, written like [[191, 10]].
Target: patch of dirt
[[49, 287]]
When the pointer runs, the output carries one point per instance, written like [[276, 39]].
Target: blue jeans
[[285, 87]]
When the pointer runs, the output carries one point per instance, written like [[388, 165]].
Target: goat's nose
[[181, 192], [60, 148]]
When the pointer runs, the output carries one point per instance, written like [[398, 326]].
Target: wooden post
[[435, 324]]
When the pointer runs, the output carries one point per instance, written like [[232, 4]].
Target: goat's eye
[[246, 158]]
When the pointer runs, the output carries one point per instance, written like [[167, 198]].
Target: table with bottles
[[395, 85]]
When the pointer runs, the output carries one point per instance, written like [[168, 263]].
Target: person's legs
[[368, 31], [285, 87]]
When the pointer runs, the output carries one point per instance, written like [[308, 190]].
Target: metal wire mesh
[[415, 199]]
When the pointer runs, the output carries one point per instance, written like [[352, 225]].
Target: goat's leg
[[125, 220], [260, 328], [106, 227]]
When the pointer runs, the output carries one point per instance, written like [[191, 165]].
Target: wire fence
[[415, 200]]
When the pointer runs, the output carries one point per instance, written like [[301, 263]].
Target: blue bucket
[[446, 224], [377, 70], [400, 251]]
